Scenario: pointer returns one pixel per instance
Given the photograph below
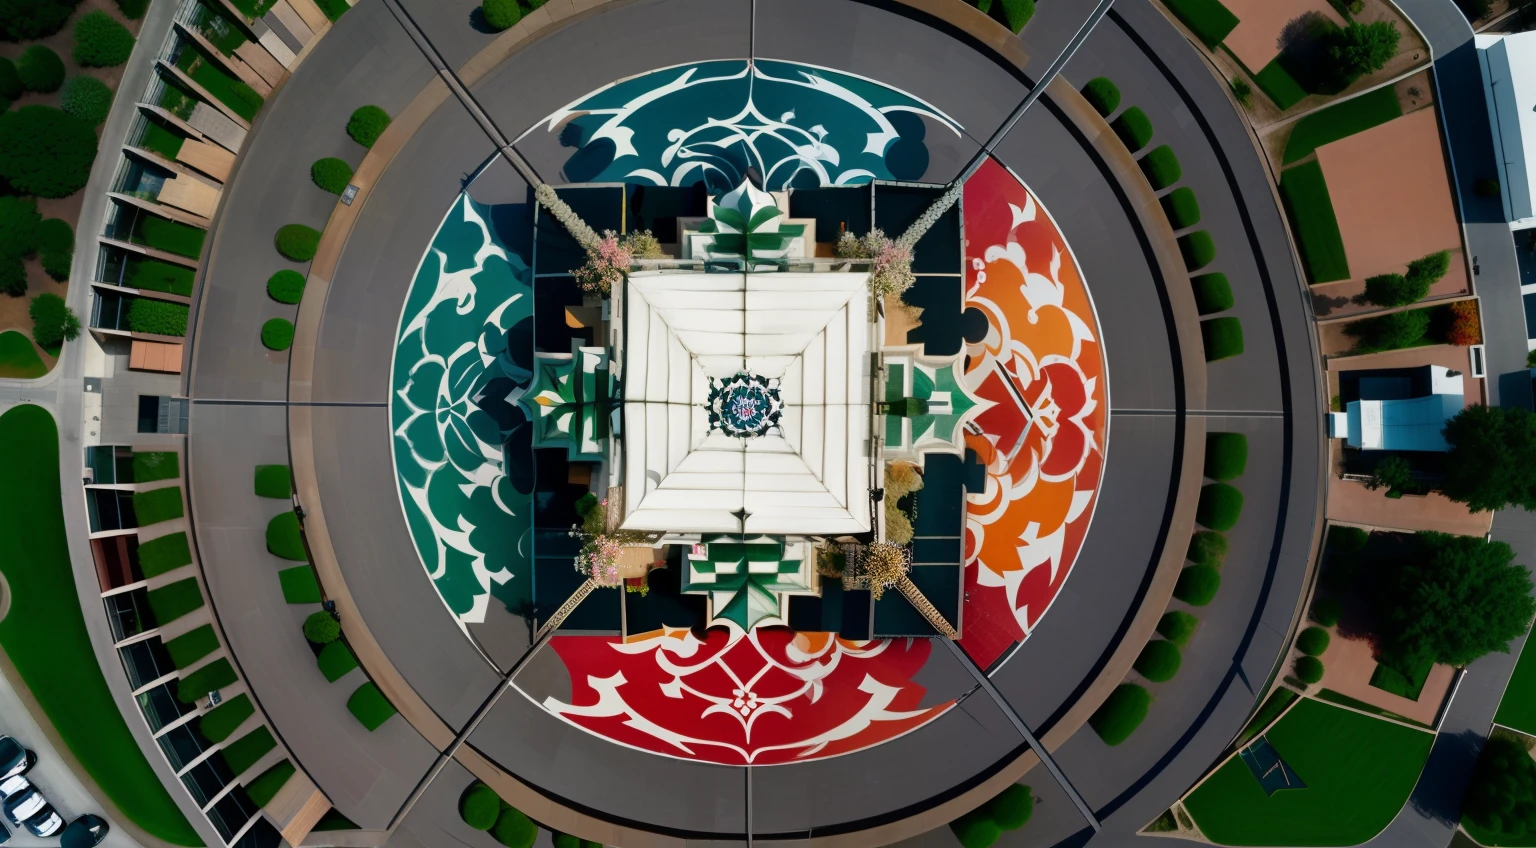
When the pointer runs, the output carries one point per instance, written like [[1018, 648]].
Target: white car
[[13, 786], [24, 806], [45, 824]]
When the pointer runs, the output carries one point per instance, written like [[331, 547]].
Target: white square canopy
[[812, 332]]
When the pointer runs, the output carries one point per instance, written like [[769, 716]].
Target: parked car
[[24, 805], [84, 832], [14, 758], [46, 823], [5, 834], [12, 786]]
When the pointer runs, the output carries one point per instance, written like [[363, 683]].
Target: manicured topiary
[[1103, 95], [1309, 670], [10, 81], [298, 242], [322, 628], [20, 226], [45, 152], [514, 830], [1017, 13], [1212, 293], [1012, 807], [1313, 641], [53, 322], [1395, 289], [40, 69], [1197, 585], [1178, 627], [1429, 269], [367, 124], [369, 706], [1182, 208], [157, 505], [564, 840], [1220, 506], [87, 98], [335, 660], [101, 42], [277, 334], [1222, 337], [501, 14], [157, 317], [975, 831], [1207, 547], [331, 174], [284, 538], [1326, 610], [1133, 128], [1198, 249], [274, 481], [1161, 167], [1226, 455], [1121, 713], [286, 286], [299, 585], [1159, 661]]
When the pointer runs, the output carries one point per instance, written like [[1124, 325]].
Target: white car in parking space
[[13, 786], [30, 809]]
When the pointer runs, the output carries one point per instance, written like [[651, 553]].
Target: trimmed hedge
[[1395, 289], [150, 466], [214, 675], [1161, 167], [1103, 95], [369, 706], [1133, 128], [1159, 661], [331, 174], [1226, 455], [1182, 208], [277, 334], [322, 628], [157, 505], [1309, 670], [1013, 807], [1207, 547], [513, 829], [87, 98], [1198, 249], [56, 241], [1121, 713], [1197, 585], [173, 236], [1220, 506], [1016, 13], [218, 723], [479, 806], [193, 645], [40, 69], [157, 317], [45, 151], [501, 15], [1223, 337], [335, 660], [367, 124], [297, 242], [1313, 641], [274, 481], [174, 600], [1178, 627], [101, 42], [154, 275], [284, 539], [299, 585], [265, 787], [1326, 610], [286, 286], [165, 554], [243, 753], [1210, 21]]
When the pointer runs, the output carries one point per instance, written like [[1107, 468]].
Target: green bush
[[40, 69], [213, 676], [45, 152], [1394, 289], [1197, 585], [10, 81], [1393, 331], [13, 275], [53, 322], [286, 286], [1207, 547], [218, 723], [1133, 128], [322, 628], [1182, 208], [1309, 670], [333, 9], [299, 585], [267, 784], [369, 706], [284, 539], [479, 806], [56, 241], [367, 124], [1159, 661], [1178, 627], [157, 505], [244, 752], [1198, 249], [1017, 13], [513, 829], [1121, 713], [975, 831], [1347, 539], [1161, 167], [87, 98], [158, 317], [336, 660], [274, 481], [20, 226], [192, 646], [298, 242], [1223, 337], [1358, 49], [1101, 93], [172, 236], [1013, 807], [1326, 610], [154, 275], [501, 15], [101, 42], [150, 466], [564, 840], [133, 9], [331, 174], [1313, 641], [1226, 455], [277, 334], [1429, 269], [1220, 506], [57, 265], [167, 553], [1209, 20]]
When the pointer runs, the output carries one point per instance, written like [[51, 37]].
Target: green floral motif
[[749, 579], [935, 402], [571, 401], [747, 223]]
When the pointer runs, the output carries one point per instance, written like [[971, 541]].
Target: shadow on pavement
[[1444, 779]]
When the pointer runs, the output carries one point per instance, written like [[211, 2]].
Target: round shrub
[[45, 152], [1309, 670], [479, 806], [564, 840], [1012, 807], [1395, 289], [1182, 208], [975, 830], [1177, 627], [133, 9], [1159, 661], [13, 275], [1017, 13], [20, 226], [277, 334], [1207, 547], [501, 14], [286, 286], [514, 830], [10, 81], [1312, 641], [1162, 167], [40, 69], [331, 174], [54, 235], [58, 265], [53, 322], [1121, 713], [1326, 610], [1220, 506], [1197, 585], [1103, 95], [1198, 249], [367, 124], [1212, 293], [87, 98], [322, 628], [101, 42], [1226, 455], [1133, 128], [298, 242]]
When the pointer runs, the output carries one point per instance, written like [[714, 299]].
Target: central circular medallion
[[745, 405]]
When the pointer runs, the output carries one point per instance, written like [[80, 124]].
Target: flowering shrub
[[643, 245], [890, 263], [885, 565], [1466, 329], [606, 263], [599, 560]]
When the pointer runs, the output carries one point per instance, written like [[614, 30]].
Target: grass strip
[[1341, 121], [245, 751], [174, 600], [1210, 21], [267, 784], [214, 675], [218, 723], [157, 505], [149, 466], [1317, 228], [167, 553], [1517, 709], [192, 645], [18, 358], [1279, 86]]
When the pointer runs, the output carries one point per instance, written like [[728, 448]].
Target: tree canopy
[[1492, 461], [1359, 49], [1502, 795], [45, 152], [1453, 600]]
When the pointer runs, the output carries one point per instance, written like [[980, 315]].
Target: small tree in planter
[[890, 269], [1392, 473], [322, 628], [607, 262]]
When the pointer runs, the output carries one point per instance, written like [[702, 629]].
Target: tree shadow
[[1444, 780], [478, 22], [1324, 305]]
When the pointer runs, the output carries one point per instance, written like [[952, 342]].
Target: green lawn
[[1279, 86], [1358, 770], [1210, 21], [18, 358], [44, 634], [1518, 707], [218, 82], [1341, 121], [1317, 228]]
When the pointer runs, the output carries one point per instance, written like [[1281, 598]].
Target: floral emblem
[[745, 405]]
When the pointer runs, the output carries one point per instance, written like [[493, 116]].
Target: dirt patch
[[1264, 24], [1415, 92]]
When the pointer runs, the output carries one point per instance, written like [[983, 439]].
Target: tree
[[1395, 289], [19, 223], [40, 69], [1391, 331], [45, 152], [1359, 49], [101, 42], [23, 20], [1456, 599], [1501, 797], [53, 322], [1492, 461], [87, 98], [1392, 473], [367, 124]]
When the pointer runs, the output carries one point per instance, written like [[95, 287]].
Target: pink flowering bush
[[890, 263], [599, 560], [607, 261]]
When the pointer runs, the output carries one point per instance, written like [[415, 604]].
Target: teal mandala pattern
[[792, 124], [463, 356]]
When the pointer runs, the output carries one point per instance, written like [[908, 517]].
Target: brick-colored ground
[[1347, 668], [1259, 37]]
